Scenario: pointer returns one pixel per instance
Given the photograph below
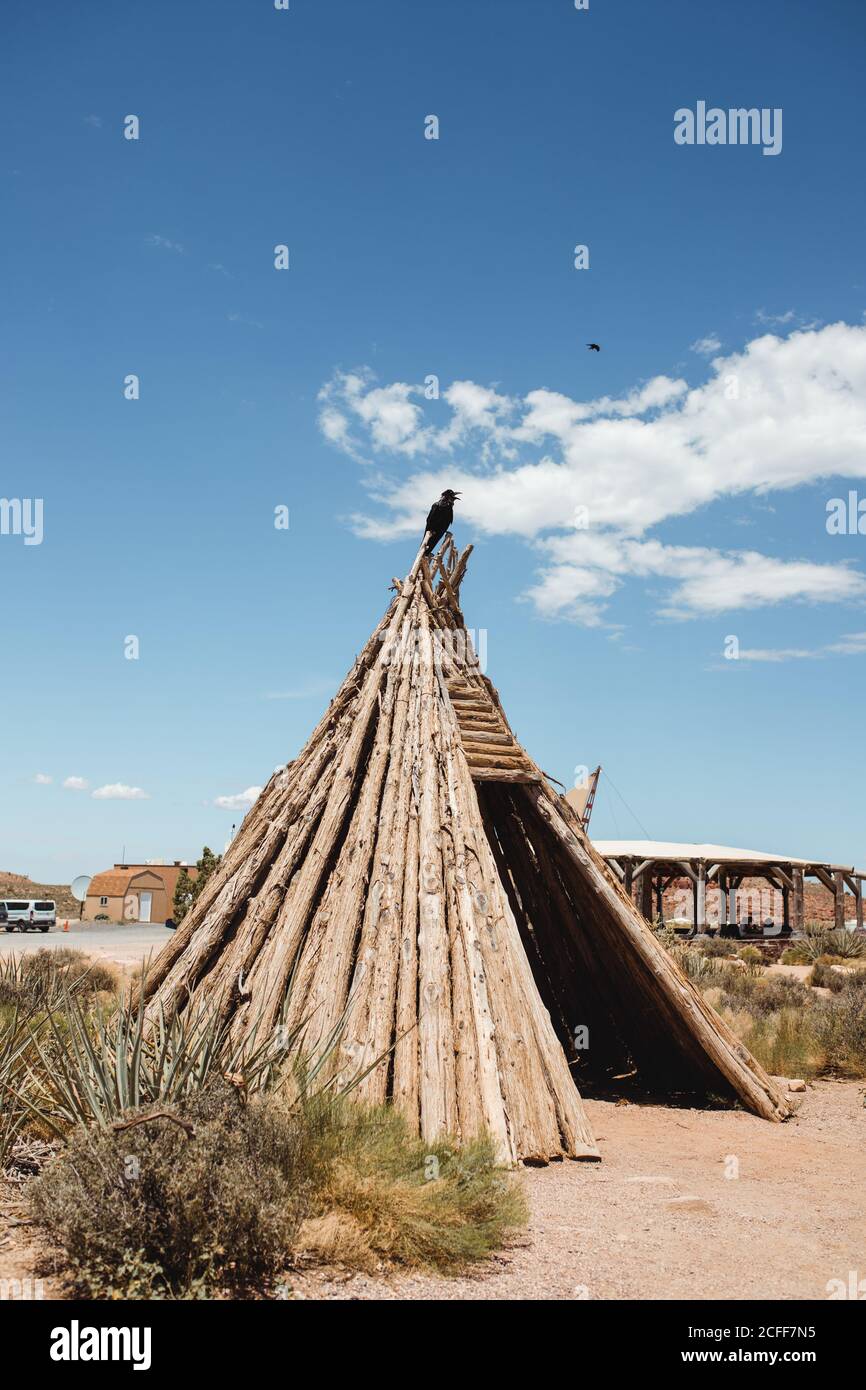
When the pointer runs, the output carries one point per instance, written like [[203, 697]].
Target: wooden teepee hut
[[413, 874]]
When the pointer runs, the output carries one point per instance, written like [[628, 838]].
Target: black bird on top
[[594, 347], [439, 518]]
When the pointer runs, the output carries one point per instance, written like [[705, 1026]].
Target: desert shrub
[[665, 935], [700, 969], [751, 955], [154, 1211], [71, 970], [840, 1029], [102, 917], [824, 977], [43, 978], [785, 1043], [796, 955], [738, 986], [776, 992], [761, 994], [715, 946]]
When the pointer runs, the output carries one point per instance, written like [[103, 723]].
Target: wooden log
[[555, 968], [492, 752], [492, 740], [224, 985], [406, 1066], [270, 975], [544, 1112], [435, 1033], [369, 1032], [481, 1102], [488, 773], [325, 961], [460, 569]]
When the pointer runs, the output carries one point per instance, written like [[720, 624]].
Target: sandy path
[[658, 1218]]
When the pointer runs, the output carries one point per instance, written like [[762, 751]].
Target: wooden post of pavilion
[[646, 891], [799, 896], [701, 897], [839, 899]]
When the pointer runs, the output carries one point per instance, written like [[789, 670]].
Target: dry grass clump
[[387, 1196], [41, 978], [783, 1045]]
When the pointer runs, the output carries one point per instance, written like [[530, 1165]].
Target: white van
[[30, 914]]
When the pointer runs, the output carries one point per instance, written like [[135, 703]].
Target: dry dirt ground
[[657, 1218]]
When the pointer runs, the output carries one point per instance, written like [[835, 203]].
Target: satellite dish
[[79, 886]]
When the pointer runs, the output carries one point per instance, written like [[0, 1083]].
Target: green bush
[[751, 955], [716, 946], [823, 976], [796, 955], [153, 1211]]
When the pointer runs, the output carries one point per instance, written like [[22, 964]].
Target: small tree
[[188, 888], [182, 900]]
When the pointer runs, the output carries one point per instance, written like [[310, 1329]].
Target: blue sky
[[411, 257]]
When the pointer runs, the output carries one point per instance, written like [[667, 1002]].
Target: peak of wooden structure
[[412, 881]]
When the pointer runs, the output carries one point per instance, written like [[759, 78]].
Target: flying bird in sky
[[439, 518], [594, 347]]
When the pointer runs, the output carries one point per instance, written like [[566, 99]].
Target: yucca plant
[[701, 970], [819, 941], [84, 1068], [19, 1024]]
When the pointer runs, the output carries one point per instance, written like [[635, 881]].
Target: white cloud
[[707, 346], [165, 244], [761, 316], [780, 414], [241, 801], [790, 319], [42, 779], [119, 791], [76, 784], [850, 644]]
